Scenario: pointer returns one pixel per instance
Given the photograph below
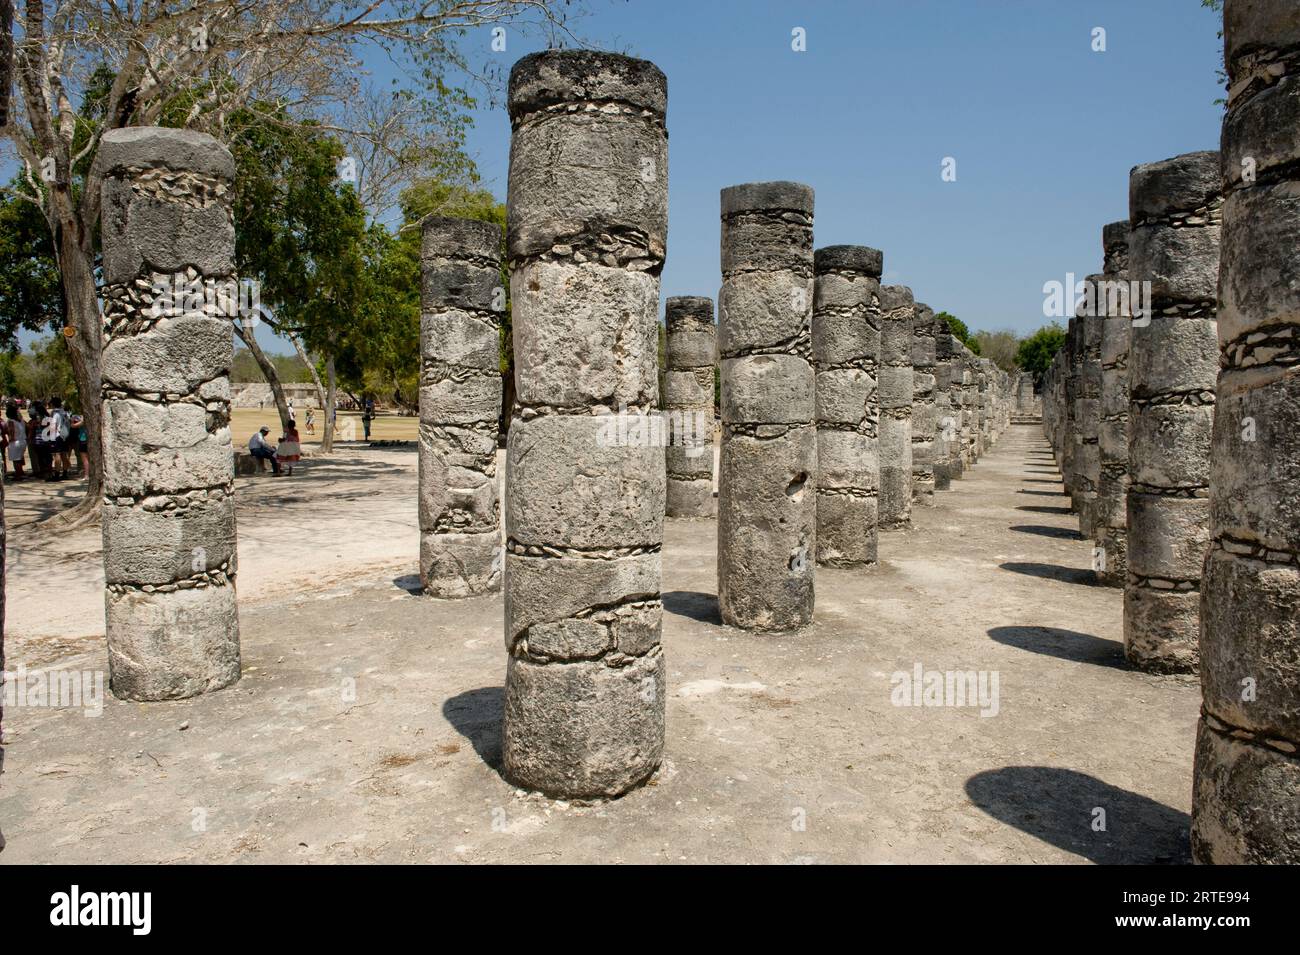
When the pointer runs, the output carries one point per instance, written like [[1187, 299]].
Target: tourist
[[259, 449], [40, 454], [79, 441], [15, 437], [289, 450], [56, 432], [311, 420], [367, 416]]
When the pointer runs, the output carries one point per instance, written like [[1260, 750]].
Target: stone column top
[[893, 297], [1114, 234], [688, 310], [1183, 184], [1250, 27], [157, 147], [448, 237], [556, 77], [767, 197], [848, 258]]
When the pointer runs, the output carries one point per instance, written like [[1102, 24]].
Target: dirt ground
[[365, 725]]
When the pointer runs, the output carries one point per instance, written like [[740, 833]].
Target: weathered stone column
[[767, 497], [692, 346], [1070, 370], [846, 355], [1087, 409], [896, 308], [1246, 790], [970, 397], [946, 423], [586, 232], [460, 407], [169, 512], [1110, 525], [982, 377], [923, 405], [1175, 209]]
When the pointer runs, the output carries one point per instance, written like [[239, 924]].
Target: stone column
[[971, 405], [1110, 525], [585, 482], [1087, 409], [691, 350], [767, 498], [1246, 789], [897, 308], [923, 405], [846, 354], [1070, 369], [983, 377], [169, 513], [461, 299], [1175, 209], [945, 415]]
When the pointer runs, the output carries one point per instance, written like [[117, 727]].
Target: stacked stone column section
[[462, 297], [923, 405], [1087, 408], [1110, 524], [896, 393], [767, 496], [1174, 211], [586, 235], [946, 422], [691, 348], [846, 355], [1246, 789], [169, 294]]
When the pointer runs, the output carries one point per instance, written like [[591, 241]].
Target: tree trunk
[[247, 334], [302, 353], [85, 346], [327, 439]]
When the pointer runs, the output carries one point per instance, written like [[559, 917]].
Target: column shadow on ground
[[1066, 575], [1043, 509], [410, 583], [1041, 481], [694, 604], [476, 715], [1064, 645], [1043, 493], [1059, 806], [1043, 530]]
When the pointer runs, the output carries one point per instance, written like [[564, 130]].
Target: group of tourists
[[39, 438]]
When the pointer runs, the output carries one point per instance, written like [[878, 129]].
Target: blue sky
[[1044, 130]]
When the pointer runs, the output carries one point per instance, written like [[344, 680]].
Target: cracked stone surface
[[169, 533]]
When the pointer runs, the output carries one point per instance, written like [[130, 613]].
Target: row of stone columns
[[813, 354], [1130, 402]]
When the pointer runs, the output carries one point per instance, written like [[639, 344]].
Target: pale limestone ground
[[765, 733]]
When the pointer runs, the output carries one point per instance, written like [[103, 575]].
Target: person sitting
[[259, 449], [289, 451]]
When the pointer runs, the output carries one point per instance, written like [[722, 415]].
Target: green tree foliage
[[960, 331], [999, 346], [30, 296], [289, 368], [1036, 352], [42, 372]]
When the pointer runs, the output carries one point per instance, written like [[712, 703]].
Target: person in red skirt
[[289, 450]]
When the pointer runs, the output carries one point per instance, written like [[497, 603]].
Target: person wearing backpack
[[37, 421], [57, 429]]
